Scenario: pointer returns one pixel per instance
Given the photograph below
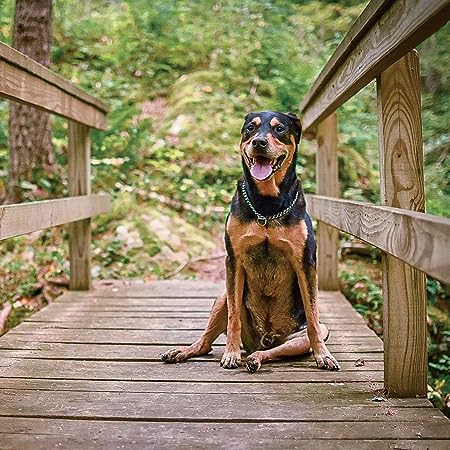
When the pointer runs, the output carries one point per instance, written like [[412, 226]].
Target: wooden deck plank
[[195, 441], [58, 350], [171, 326], [160, 337], [191, 371], [232, 387], [85, 372], [35, 433], [292, 407]]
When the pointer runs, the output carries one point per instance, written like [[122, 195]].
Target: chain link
[[260, 219]]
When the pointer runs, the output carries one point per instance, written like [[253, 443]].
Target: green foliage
[[366, 297]]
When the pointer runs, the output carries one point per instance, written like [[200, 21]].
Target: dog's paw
[[231, 360], [253, 363], [325, 360], [173, 355]]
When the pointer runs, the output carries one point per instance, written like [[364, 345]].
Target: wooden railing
[[381, 45], [25, 81]]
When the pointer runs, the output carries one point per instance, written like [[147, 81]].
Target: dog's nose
[[260, 142]]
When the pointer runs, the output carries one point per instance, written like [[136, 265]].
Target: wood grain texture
[[85, 387], [79, 184], [327, 184], [291, 407], [23, 87], [24, 218], [41, 434], [421, 240], [401, 28], [402, 186], [372, 12], [18, 59]]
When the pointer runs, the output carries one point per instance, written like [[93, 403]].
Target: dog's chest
[[268, 256], [267, 269]]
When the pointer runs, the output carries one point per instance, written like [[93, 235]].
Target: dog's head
[[268, 146]]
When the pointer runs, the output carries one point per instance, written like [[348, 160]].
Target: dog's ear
[[247, 117], [297, 123]]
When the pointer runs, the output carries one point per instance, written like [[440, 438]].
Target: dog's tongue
[[261, 171]]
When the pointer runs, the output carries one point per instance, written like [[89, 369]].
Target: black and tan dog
[[270, 303]]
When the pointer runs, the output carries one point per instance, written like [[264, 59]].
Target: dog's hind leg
[[297, 344], [217, 324]]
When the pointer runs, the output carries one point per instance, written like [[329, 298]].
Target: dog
[[270, 301]]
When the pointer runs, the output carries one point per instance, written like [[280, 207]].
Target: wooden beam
[[27, 82], [421, 240], [24, 62], [24, 218], [372, 12], [327, 184], [79, 184], [401, 28], [402, 186]]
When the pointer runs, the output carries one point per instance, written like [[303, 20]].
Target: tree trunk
[[30, 140]]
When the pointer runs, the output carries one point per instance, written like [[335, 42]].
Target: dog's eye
[[280, 128], [251, 127]]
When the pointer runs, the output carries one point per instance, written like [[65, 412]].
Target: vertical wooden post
[[79, 184], [402, 186], [327, 184]]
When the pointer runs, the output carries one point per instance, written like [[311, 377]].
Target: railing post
[[327, 184], [79, 184], [402, 186]]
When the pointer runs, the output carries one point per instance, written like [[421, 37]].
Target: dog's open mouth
[[262, 168]]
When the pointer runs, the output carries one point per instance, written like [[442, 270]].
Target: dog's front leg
[[307, 279], [235, 288]]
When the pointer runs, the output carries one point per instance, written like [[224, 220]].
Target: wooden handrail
[[25, 81], [378, 39], [381, 45], [28, 82], [421, 240], [373, 11], [23, 218]]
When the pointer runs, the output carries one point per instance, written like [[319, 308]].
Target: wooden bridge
[[85, 372]]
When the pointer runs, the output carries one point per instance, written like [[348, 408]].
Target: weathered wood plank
[[421, 240], [79, 184], [176, 312], [291, 407], [30, 90], [401, 28], [207, 436], [169, 337], [172, 303], [232, 388], [23, 218], [25, 81], [149, 351], [164, 288], [166, 324], [301, 371], [80, 313], [402, 186], [372, 12], [327, 184], [35, 433], [94, 352], [27, 64], [104, 313]]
